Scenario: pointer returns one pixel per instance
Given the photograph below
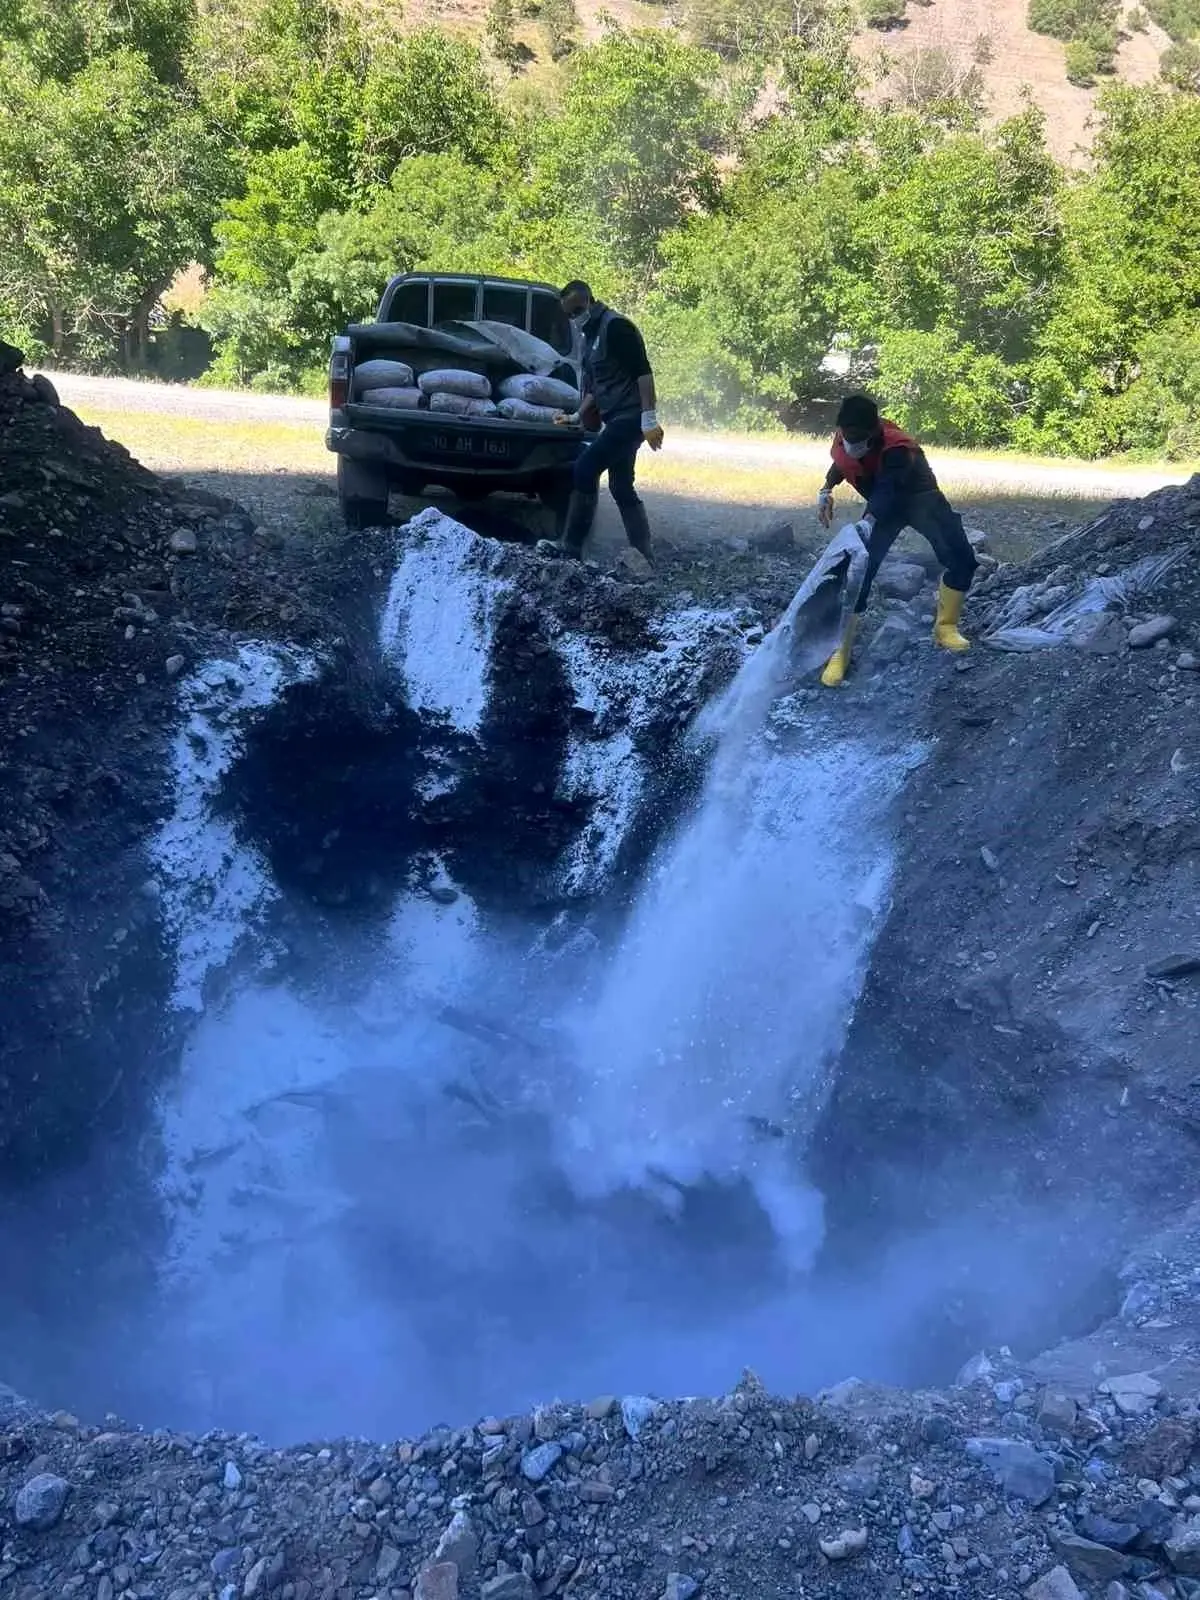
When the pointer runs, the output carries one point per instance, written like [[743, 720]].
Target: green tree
[[502, 34], [947, 390], [108, 185], [560, 24], [636, 141], [62, 37], [1180, 67], [1131, 267], [1179, 19]]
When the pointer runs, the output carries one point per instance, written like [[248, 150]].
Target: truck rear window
[[504, 305], [453, 302], [550, 323], [410, 303]]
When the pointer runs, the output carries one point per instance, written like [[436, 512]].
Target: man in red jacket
[[889, 470]]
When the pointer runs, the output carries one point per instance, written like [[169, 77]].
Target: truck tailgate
[[439, 439]]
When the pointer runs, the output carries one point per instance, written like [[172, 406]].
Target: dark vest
[[614, 391]]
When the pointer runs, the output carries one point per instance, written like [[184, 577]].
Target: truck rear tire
[[362, 494]]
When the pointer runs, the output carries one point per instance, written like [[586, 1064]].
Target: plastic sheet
[[1114, 592]]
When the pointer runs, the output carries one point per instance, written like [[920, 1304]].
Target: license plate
[[472, 446]]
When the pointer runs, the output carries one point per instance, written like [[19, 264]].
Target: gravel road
[[1019, 475]]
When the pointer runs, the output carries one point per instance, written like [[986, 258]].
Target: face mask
[[856, 451], [580, 320]]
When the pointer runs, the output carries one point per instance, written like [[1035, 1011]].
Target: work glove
[[864, 528], [651, 431], [566, 419], [825, 508]]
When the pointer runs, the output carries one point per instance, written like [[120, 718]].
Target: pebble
[[1146, 634], [680, 1587], [1093, 1563], [184, 542], [512, 1586], [850, 1542], [437, 1582], [1134, 1394], [232, 1478], [175, 665], [636, 1412], [539, 1462], [41, 1501], [1058, 1584], [1017, 1467]]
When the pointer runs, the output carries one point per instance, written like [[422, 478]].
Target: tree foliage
[[749, 193]]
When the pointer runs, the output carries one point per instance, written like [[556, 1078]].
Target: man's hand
[[825, 508], [566, 419], [651, 431], [865, 527]]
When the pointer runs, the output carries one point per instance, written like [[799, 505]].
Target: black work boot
[[637, 528], [581, 513]]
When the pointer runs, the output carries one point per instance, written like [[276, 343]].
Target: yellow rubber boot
[[839, 662], [949, 610]]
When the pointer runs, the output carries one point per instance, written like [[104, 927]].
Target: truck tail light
[[339, 380]]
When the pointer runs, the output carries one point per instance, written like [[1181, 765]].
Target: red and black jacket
[[893, 470]]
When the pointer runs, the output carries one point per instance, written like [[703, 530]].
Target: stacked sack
[[529, 398], [459, 394], [387, 383]]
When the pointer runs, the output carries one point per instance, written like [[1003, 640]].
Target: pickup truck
[[438, 320]]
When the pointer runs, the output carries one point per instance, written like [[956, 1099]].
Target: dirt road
[[984, 473]]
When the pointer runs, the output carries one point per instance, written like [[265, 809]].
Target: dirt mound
[[1034, 996]]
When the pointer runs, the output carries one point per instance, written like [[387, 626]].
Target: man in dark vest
[[618, 395], [888, 468]]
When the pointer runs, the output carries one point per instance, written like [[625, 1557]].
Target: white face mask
[[856, 451], [580, 320]]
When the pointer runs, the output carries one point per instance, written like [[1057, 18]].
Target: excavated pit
[[509, 1028]]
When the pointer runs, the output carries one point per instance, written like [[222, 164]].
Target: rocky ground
[[1037, 980], [1003, 1486]]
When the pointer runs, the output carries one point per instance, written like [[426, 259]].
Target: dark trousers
[[935, 519], [613, 450]]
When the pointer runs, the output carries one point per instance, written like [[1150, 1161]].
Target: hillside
[[938, 40]]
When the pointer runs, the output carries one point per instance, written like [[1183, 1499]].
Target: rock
[[537, 1463], [1058, 1584], [850, 1542], [632, 567], [1180, 966], [175, 665], [777, 539], [232, 1478], [600, 1410], [861, 1480], [438, 1582], [1100, 634], [1155, 1521], [41, 1502], [1018, 1468], [1188, 661], [225, 1563], [45, 390], [891, 639], [1093, 1563], [1103, 1530], [992, 862], [184, 542], [460, 1545], [596, 1493], [264, 1577], [680, 1587], [512, 1586], [1167, 1449], [901, 582], [1134, 1394], [387, 1565], [1183, 1550], [978, 540], [636, 1412], [1149, 633], [1057, 1412]]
